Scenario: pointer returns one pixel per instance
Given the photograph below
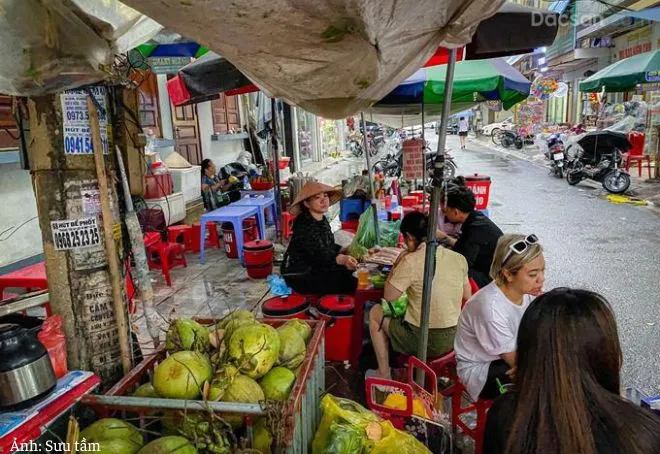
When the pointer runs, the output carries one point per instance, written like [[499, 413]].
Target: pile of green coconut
[[236, 360]]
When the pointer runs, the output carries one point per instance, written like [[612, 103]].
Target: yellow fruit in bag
[[398, 402]]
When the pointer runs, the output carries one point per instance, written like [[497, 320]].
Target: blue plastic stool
[[235, 215], [263, 204]]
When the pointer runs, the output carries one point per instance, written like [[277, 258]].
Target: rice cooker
[[26, 373]]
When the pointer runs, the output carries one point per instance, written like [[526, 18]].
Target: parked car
[[506, 125]]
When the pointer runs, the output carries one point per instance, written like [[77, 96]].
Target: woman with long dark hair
[[566, 393]]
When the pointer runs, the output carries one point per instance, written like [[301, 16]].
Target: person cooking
[[479, 234], [450, 288], [313, 263], [216, 192]]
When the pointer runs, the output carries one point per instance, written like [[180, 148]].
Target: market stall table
[[361, 297], [263, 204], [47, 420], [30, 278], [230, 213]]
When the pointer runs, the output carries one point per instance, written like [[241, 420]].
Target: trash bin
[[480, 186]]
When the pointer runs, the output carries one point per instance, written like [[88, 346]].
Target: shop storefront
[[645, 39], [307, 138], [331, 136]]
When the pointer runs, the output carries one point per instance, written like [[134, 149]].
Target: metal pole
[[431, 241], [423, 159], [371, 176], [276, 170]]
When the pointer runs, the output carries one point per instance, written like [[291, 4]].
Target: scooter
[[556, 155], [600, 158]]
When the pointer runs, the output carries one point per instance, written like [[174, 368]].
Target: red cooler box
[[480, 186], [337, 311], [285, 307]]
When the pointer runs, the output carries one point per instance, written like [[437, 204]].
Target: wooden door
[[148, 103], [8, 129], [186, 133]]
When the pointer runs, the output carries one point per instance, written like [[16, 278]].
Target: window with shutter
[[8, 129], [226, 115]]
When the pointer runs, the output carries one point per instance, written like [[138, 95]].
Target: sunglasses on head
[[519, 247]]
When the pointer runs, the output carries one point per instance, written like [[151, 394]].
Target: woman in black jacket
[[313, 263]]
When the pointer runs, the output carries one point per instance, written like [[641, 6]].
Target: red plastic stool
[[174, 232], [446, 367], [165, 256], [287, 224], [212, 240]]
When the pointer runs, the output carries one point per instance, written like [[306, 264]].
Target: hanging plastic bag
[[365, 237], [52, 337]]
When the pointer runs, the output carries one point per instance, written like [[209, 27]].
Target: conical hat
[[311, 189], [175, 161]]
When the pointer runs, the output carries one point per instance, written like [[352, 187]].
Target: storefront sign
[[636, 42], [494, 106], [75, 233], [167, 65], [652, 76], [75, 120], [413, 159]]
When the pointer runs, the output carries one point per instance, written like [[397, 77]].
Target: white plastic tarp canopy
[[49, 46], [330, 57]]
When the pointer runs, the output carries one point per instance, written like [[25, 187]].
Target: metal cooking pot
[[26, 373]]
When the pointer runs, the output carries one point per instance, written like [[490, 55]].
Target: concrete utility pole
[[69, 208]]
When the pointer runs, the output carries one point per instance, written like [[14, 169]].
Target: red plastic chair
[[165, 256], [446, 367], [174, 232], [287, 224], [636, 153], [212, 240]]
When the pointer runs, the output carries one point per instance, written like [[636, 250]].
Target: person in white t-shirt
[[463, 128], [485, 343]]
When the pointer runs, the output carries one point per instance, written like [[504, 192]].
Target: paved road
[[589, 243]]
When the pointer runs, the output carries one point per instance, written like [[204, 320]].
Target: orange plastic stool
[[287, 224], [174, 232], [212, 240]]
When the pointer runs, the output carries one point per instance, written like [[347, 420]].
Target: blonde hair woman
[[485, 342]]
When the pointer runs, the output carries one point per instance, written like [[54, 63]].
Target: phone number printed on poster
[[75, 233], [76, 124]]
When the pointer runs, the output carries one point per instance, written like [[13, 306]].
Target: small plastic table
[[263, 203], [30, 277], [231, 213]]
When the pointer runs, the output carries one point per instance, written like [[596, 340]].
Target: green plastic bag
[[396, 308], [389, 233], [366, 232]]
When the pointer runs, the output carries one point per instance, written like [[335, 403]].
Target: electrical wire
[[15, 229]]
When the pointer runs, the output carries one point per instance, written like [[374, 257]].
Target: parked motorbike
[[392, 164], [599, 158], [556, 155], [509, 139], [355, 147]]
